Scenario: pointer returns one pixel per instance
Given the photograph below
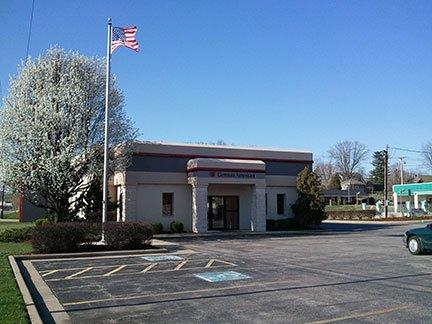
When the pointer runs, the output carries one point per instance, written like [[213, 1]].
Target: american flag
[[124, 36]]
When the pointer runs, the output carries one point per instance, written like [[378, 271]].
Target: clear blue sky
[[295, 74]]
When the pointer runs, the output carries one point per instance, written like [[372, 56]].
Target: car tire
[[414, 245]]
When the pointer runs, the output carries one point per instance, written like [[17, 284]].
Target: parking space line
[[114, 271], [50, 272], [78, 273], [358, 315], [140, 272], [180, 265], [226, 262], [148, 268], [209, 264]]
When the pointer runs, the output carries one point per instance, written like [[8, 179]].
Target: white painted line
[[50, 272], [225, 262], [78, 273], [209, 264], [148, 268], [180, 265], [114, 271]]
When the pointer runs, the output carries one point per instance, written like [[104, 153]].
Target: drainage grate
[[221, 276], [156, 258]]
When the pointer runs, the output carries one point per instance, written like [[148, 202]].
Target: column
[[258, 219], [129, 203], [416, 201], [395, 202], [199, 208]]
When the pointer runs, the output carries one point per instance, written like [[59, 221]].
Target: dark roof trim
[[190, 156]]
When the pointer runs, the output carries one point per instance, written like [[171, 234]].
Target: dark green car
[[419, 240]]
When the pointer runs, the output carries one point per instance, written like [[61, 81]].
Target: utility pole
[[385, 181], [2, 202], [402, 162]]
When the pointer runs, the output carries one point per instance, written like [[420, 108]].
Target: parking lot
[[345, 273]]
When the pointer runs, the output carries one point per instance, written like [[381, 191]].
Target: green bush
[[130, 235], [16, 235], [270, 224], [61, 237], [42, 221], [309, 207], [157, 228], [176, 227], [286, 224]]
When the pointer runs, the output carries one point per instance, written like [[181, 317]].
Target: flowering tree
[[52, 129]]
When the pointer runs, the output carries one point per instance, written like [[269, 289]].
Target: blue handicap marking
[[154, 258], [221, 276]]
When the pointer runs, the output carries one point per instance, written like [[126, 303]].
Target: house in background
[[352, 191]]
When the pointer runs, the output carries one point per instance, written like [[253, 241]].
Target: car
[[419, 240]]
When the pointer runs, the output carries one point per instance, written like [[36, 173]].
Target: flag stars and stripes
[[124, 36]]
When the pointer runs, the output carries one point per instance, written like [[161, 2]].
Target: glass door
[[223, 212]]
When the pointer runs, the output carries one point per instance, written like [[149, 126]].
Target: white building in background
[[208, 187]]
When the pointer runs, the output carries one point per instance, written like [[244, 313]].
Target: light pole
[[402, 162]]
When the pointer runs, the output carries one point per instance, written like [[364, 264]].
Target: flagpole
[[106, 152]]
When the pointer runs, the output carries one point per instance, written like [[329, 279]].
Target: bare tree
[[427, 154], [348, 157], [395, 175], [325, 170]]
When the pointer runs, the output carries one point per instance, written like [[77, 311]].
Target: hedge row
[[286, 224], [69, 237], [351, 214]]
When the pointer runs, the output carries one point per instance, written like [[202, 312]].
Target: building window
[[167, 203], [281, 204], [266, 204]]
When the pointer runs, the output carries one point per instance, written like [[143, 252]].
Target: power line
[[407, 150], [30, 29]]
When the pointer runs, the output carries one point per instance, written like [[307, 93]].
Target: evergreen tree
[[309, 207], [377, 173]]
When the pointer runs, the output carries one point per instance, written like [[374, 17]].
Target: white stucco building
[[208, 187]]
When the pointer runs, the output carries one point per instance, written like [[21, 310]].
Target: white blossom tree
[[52, 129]]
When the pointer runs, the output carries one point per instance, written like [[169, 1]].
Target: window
[[167, 203], [266, 204], [281, 204]]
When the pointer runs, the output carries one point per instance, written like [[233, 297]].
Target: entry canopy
[[211, 164]]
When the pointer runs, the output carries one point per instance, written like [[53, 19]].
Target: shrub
[[309, 207], [285, 224], [270, 224], [42, 221], [16, 235], [157, 228], [61, 237], [176, 227], [130, 235]]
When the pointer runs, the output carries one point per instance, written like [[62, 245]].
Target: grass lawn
[[12, 308], [12, 215]]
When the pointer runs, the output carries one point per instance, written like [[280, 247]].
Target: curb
[[236, 233], [88, 254], [28, 299]]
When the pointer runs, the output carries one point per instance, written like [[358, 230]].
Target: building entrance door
[[223, 212]]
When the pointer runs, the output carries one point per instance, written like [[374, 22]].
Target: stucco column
[[129, 203], [258, 219], [416, 201], [395, 202], [199, 208]]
